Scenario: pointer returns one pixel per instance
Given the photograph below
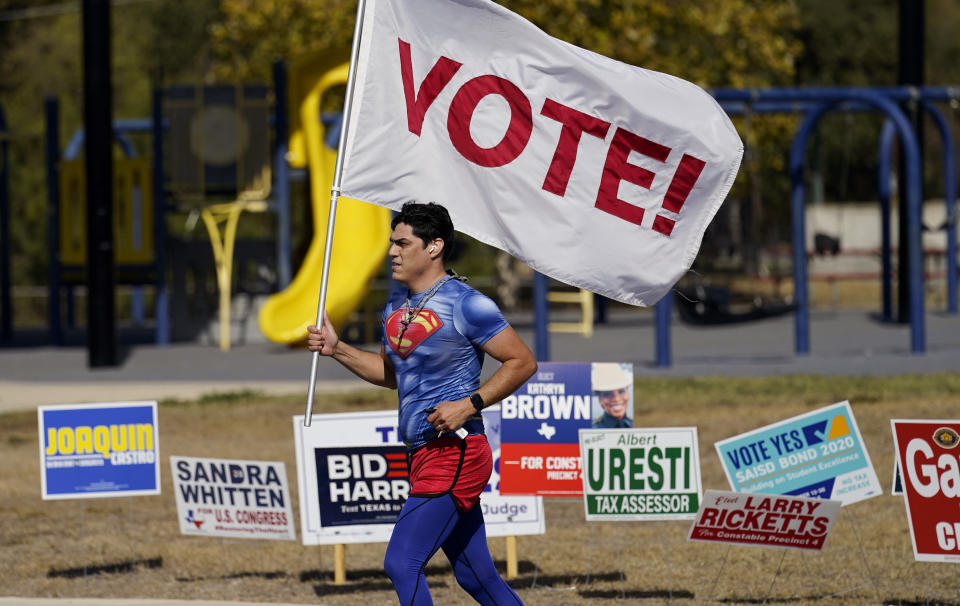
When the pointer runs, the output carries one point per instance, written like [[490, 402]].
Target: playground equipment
[[138, 221], [360, 237], [814, 103]]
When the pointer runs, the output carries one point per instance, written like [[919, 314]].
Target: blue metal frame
[[828, 99], [884, 166], [6, 296], [540, 319], [815, 102], [281, 172], [51, 111]]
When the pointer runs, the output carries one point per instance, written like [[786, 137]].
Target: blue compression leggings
[[431, 523]]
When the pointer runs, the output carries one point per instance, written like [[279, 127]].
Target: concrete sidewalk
[[842, 343], [14, 601]]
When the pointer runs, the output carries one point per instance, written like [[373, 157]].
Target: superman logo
[[405, 341]]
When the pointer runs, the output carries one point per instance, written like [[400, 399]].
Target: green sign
[[640, 473]]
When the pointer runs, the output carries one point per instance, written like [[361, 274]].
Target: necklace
[[410, 313]]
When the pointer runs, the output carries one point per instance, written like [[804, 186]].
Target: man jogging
[[435, 334]]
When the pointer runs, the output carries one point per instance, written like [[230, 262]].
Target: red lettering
[[616, 169], [683, 181], [461, 112], [575, 123], [417, 103]]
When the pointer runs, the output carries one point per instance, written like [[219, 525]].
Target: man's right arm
[[369, 366]]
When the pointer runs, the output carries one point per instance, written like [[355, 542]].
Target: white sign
[[332, 434], [650, 473], [763, 520], [595, 172], [232, 498]]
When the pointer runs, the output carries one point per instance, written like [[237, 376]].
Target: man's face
[[615, 402], [408, 257]]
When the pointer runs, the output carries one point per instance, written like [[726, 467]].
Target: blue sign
[[99, 450], [361, 484], [551, 407], [817, 454]]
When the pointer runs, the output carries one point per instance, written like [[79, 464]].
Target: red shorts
[[449, 464]]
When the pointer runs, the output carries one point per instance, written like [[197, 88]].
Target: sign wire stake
[[863, 555], [783, 555], [716, 579]]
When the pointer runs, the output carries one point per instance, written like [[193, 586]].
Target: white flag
[[591, 171]]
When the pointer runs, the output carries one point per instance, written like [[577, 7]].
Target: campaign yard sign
[[927, 452], [816, 454], [540, 449], [764, 520], [506, 515], [99, 450], [352, 478], [361, 484], [232, 498], [640, 474]]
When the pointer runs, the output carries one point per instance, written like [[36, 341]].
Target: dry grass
[[131, 547]]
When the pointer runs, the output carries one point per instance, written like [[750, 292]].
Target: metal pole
[[540, 317], [159, 224], [334, 196], [97, 111], [886, 246], [52, 156], [6, 299], [662, 310], [909, 72], [281, 170]]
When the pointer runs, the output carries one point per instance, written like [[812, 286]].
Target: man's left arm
[[517, 364]]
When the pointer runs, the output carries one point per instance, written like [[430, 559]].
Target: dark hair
[[429, 221]]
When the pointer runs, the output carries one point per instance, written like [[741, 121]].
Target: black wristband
[[477, 401]]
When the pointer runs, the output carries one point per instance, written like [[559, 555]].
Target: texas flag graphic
[[405, 341]]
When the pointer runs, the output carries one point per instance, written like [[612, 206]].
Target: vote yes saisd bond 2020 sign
[[928, 452], [540, 448], [232, 498], [816, 454], [640, 474], [99, 450], [761, 520]]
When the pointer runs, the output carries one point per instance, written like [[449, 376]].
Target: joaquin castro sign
[[347, 492], [816, 454], [927, 451], [99, 450], [764, 520], [541, 421], [640, 474], [232, 498]]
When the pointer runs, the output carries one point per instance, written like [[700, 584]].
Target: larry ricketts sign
[[640, 474], [99, 450], [540, 448], [816, 454], [594, 172], [232, 498], [928, 452], [764, 520]]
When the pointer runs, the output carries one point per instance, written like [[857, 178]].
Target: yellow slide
[[360, 238]]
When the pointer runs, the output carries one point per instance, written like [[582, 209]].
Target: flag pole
[[334, 197]]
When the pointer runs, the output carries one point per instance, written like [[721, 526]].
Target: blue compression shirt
[[440, 355]]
